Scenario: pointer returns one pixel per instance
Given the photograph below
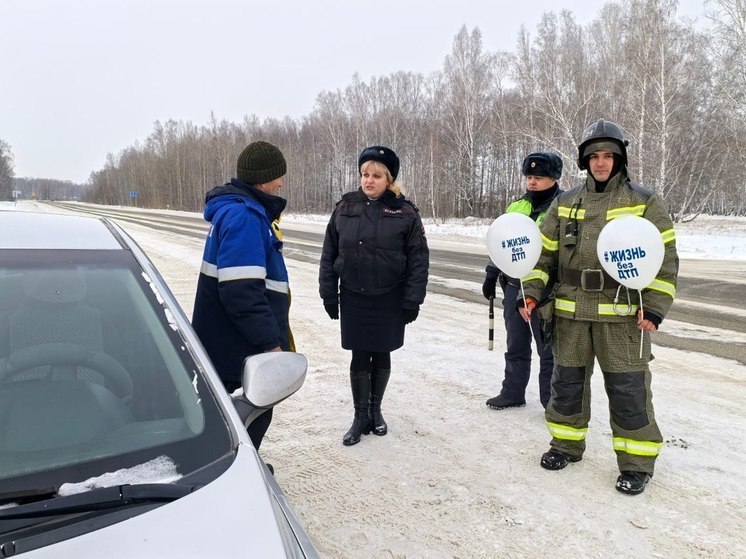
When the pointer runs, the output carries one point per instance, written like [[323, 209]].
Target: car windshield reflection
[[94, 371]]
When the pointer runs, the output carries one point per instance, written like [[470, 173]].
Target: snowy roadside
[[456, 479]]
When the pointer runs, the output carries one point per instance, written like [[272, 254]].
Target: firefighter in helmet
[[596, 318]]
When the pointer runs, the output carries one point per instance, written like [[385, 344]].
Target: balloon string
[[525, 306], [642, 332]]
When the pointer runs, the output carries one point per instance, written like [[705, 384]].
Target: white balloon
[[630, 249], [514, 244]]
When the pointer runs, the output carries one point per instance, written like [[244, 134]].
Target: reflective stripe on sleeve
[[664, 287], [279, 286], [668, 236], [210, 270], [549, 244], [242, 272], [537, 274]]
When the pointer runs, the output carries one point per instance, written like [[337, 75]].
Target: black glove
[[410, 315], [503, 281], [652, 317], [488, 287], [332, 310]]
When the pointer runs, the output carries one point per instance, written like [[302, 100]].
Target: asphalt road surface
[[710, 295]]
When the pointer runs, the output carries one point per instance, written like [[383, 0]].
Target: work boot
[[500, 402], [632, 483], [555, 460], [360, 384], [379, 378]]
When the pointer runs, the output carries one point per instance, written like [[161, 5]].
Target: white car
[[117, 438]]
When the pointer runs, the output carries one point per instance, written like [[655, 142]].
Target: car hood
[[230, 517]]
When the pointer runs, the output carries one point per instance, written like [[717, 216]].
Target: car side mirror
[[269, 378]]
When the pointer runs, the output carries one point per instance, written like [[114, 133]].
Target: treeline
[[6, 171], [48, 189], [679, 92]]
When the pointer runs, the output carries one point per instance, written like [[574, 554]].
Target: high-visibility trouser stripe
[[663, 286], [603, 309], [639, 448], [630, 210], [668, 236], [564, 211], [537, 274], [565, 432], [549, 244]]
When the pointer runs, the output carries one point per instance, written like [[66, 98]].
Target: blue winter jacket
[[241, 305]]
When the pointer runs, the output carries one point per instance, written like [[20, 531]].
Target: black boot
[[632, 483], [553, 459], [379, 380], [360, 383]]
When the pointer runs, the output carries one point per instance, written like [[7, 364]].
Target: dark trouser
[[518, 356], [258, 428], [636, 437]]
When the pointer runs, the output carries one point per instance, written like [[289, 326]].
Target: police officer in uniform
[[542, 171], [595, 317], [373, 278]]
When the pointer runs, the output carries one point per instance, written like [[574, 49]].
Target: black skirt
[[372, 323]]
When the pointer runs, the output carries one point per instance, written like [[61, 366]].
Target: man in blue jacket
[[242, 301]]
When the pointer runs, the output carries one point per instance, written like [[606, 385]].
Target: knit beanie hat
[[260, 162], [383, 155]]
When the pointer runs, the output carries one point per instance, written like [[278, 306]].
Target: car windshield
[[95, 375]]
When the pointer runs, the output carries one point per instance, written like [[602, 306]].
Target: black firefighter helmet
[[604, 134]]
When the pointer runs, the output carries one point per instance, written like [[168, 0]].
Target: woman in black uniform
[[374, 267]]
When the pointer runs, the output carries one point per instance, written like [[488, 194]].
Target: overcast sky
[[83, 78]]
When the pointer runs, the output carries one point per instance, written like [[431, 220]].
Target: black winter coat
[[372, 247]]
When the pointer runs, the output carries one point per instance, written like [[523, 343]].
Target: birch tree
[[6, 171], [468, 76]]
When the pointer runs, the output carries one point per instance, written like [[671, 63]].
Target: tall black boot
[[379, 380], [360, 383]]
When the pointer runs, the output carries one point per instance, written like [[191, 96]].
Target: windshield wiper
[[27, 495], [100, 499]]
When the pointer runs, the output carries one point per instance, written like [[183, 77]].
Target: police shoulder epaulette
[[351, 196], [416, 209]]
